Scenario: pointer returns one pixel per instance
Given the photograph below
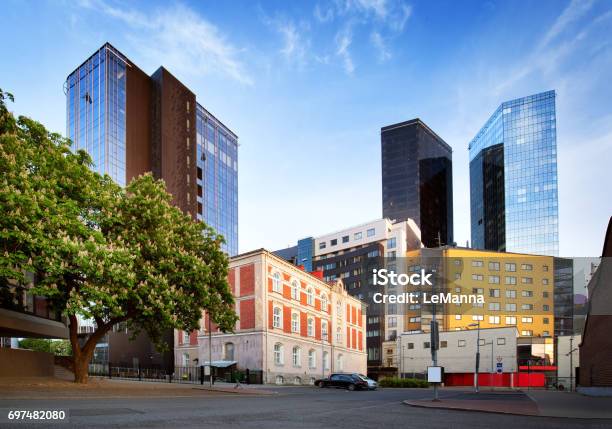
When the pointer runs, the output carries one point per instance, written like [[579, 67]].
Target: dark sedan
[[343, 381]]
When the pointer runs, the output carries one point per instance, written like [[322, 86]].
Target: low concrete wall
[[25, 363]]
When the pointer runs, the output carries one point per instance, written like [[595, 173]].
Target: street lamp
[[477, 353]]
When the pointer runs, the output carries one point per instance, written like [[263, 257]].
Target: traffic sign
[[499, 367]]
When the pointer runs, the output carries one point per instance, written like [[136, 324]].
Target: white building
[[568, 359]]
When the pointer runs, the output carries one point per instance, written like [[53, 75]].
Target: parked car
[[343, 381], [372, 385]]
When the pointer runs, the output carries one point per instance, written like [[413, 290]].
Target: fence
[[181, 374]]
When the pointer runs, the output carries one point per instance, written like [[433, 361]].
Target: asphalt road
[[299, 407]]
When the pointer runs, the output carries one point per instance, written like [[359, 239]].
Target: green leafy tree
[[100, 251]]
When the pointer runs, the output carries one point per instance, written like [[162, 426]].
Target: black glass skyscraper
[[417, 180]]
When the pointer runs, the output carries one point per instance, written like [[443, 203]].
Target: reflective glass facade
[[513, 178], [217, 180], [96, 106], [417, 180]]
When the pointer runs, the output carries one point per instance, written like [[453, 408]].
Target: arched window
[[277, 321], [296, 355], [339, 309], [280, 379], [278, 354], [324, 302], [276, 282], [339, 334], [325, 360], [228, 352], [295, 322], [309, 296], [297, 380], [339, 363], [324, 330], [295, 290], [310, 329], [312, 359], [312, 381]]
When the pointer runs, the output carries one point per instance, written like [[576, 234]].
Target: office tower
[[513, 178], [417, 180], [131, 123], [351, 255]]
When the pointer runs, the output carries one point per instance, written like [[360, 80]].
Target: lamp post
[[477, 353]]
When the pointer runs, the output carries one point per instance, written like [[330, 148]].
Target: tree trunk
[[81, 368]]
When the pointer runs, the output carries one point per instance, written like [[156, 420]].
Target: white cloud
[[323, 15], [572, 12], [379, 43], [343, 41], [179, 38]]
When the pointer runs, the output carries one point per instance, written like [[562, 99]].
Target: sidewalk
[[53, 388], [531, 403]]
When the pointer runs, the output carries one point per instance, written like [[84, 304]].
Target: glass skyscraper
[[96, 106], [131, 123], [513, 178], [217, 179]]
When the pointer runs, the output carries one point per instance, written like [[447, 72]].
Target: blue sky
[[307, 86]]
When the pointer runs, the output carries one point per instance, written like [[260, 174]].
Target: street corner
[[516, 403]]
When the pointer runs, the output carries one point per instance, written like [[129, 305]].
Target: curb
[[475, 410]]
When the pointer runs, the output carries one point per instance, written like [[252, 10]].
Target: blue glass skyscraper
[[513, 178]]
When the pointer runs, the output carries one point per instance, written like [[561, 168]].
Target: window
[[457, 276], [296, 357], [415, 319], [277, 317], [511, 267], [461, 343], [545, 282], [527, 306], [228, 353], [527, 319], [339, 309], [309, 296], [493, 266], [457, 262], [186, 359], [494, 306], [295, 322], [324, 329], [280, 379], [477, 277], [324, 302], [392, 322], [392, 255], [276, 282], [295, 290], [546, 307], [501, 341], [494, 320], [426, 345], [510, 293], [478, 290], [373, 254], [544, 267], [278, 354], [371, 232], [322, 245], [527, 333], [494, 293], [477, 317], [544, 294], [457, 316], [494, 279], [185, 337], [325, 360], [310, 326], [526, 267], [510, 280], [443, 344], [357, 236], [333, 242], [481, 341], [312, 359], [297, 381], [527, 293], [477, 264], [511, 306], [391, 243], [510, 320], [339, 335], [345, 239], [410, 346], [392, 308], [339, 363], [545, 334], [527, 280]]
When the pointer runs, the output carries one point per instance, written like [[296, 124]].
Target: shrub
[[402, 382]]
